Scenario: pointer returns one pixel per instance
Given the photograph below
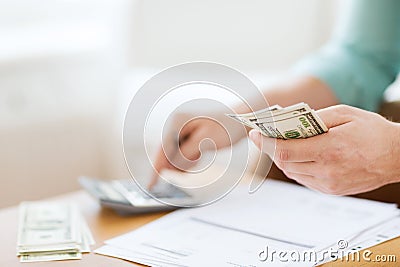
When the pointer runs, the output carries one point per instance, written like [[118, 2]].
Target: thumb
[[265, 144], [336, 115]]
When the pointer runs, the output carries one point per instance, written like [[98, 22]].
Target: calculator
[[125, 197]]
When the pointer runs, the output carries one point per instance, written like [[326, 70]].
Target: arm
[[184, 156], [361, 150], [363, 55], [355, 67], [307, 89]]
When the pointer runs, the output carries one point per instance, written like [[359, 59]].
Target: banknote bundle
[[296, 121], [51, 231]]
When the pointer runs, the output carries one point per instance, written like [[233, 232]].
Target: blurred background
[[69, 68]]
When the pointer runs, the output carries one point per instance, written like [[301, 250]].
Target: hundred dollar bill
[[49, 256], [46, 223], [250, 118], [261, 112], [303, 125], [246, 118], [296, 121], [51, 231], [289, 111]]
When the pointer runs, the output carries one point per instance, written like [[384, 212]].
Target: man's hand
[[359, 153], [188, 135]]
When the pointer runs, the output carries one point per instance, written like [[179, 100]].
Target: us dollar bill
[[43, 224], [51, 231], [296, 121], [49, 256]]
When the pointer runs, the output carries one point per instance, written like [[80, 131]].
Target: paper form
[[234, 230]]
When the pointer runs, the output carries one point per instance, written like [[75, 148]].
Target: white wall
[[68, 68], [60, 67], [255, 34]]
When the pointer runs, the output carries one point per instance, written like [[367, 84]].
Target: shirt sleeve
[[363, 56]]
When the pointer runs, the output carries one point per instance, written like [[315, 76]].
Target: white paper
[[234, 230]]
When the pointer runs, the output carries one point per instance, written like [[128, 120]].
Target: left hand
[[359, 153]]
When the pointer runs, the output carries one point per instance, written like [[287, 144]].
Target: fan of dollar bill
[[51, 231], [296, 121]]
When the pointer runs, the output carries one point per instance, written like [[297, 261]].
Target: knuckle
[[333, 155], [344, 109], [348, 112], [283, 154], [327, 174], [335, 152]]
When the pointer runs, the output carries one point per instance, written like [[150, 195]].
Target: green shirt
[[363, 56]]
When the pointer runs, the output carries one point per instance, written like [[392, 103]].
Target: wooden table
[[105, 224]]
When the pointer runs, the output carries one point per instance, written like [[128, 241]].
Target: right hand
[[182, 147]]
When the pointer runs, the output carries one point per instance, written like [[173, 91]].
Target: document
[[242, 228]]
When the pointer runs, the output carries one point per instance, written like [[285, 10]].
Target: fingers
[[188, 152], [177, 156], [153, 181], [337, 115], [303, 150], [180, 146], [304, 168], [301, 178], [306, 180], [185, 131], [165, 155], [160, 163], [298, 150], [183, 125], [265, 145]]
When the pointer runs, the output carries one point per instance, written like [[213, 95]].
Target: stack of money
[[51, 231], [296, 121]]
